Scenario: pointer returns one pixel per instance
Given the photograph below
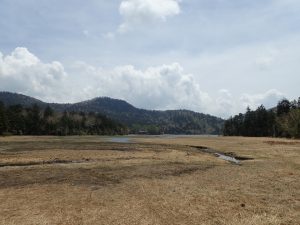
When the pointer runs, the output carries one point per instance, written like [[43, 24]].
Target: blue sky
[[211, 56]]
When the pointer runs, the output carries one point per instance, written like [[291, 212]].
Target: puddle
[[120, 140]]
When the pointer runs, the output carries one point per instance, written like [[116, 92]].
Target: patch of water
[[120, 140], [174, 136], [228, 158], [218, 154]]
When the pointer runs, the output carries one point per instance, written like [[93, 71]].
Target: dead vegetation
[[154, 180], [283, 142]]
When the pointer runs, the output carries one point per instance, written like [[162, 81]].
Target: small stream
[[230, 157], [224, 156]]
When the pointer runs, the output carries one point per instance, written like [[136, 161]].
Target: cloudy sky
[[211, 56]]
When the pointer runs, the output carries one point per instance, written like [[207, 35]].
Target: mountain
[[9, 98], [138, 120]]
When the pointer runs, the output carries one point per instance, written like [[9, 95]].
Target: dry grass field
[[152, 180]]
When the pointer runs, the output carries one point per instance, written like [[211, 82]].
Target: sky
[[210, 56]]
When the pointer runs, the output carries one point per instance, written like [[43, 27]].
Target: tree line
[[18, 120], [282, 121]]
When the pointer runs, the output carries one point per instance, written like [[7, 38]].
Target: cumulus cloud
[[86, 33], [225, 104], [228, 105], [267, 59], [22, 71], [167, 87], [109, 36], [268, 99], [158, 87], [137, 12]]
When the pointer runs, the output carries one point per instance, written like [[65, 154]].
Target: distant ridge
[[138, 120], [9, 98]]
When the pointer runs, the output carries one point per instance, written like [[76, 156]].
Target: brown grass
[[282, 142], [153, 180]]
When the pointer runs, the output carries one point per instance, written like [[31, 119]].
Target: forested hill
[[17, 99], [138, 120]]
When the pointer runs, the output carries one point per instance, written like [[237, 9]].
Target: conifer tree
[[3, 119]]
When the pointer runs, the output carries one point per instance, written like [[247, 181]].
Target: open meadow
[[149, 180]]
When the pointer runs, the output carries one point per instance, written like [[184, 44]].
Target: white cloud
[[161, 87], [158, 87], [268, 99], [109, 36], [86, 33], [22, 71], [228, 105], [225, 104], [267, 59], [167, 87], [137, 12]]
